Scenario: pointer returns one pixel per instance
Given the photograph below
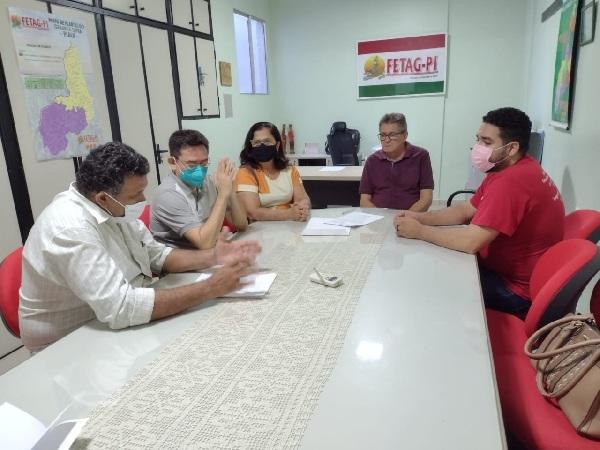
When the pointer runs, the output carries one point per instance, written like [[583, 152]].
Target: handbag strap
[[535, 337], [565, 349], [528, 349], [572, 382]]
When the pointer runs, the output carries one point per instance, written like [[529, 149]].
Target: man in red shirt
[[514, 217]]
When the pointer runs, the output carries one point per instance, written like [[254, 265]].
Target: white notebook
[[256, 285], [317, 226]]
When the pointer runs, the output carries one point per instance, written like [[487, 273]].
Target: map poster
[[403, 66], [563, 65], [53, 54]]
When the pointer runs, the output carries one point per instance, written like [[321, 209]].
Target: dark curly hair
[[185, 138], [514, 125], [246, 159], [105, 168]]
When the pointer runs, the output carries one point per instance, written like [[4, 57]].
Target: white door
[[152, 9], [201, 16], [124, 6], [208, 87], [160, 87], [188, 75], [182, 14], [130, 91], [45, 179]]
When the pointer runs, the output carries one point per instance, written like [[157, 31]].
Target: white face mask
[[132, 212]]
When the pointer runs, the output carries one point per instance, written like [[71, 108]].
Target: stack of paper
[[318, 226], [21, 431], [354, 219]]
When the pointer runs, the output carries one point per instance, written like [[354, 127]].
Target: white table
[[415, 371]]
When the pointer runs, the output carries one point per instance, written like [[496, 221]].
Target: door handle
[[158, 154]]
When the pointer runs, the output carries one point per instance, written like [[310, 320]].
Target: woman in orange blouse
[[268, 187]]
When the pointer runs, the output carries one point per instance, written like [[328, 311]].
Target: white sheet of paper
[[255, 285], [331, 169], [22, 431], [19, 430], [318, 226], [354, 219]]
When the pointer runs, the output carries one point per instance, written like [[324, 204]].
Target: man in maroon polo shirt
[[398, 176], [514, 217]]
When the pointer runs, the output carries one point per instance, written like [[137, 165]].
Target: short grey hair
[[398, 118]]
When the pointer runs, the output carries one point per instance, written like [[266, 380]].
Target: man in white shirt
[[87, 256]]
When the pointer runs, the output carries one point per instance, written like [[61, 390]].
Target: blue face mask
[[194, 176]]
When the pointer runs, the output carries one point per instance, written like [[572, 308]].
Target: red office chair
[[228, 224], [556, 283], [145, 216], [558, 279], [583, 224], [10, 282]]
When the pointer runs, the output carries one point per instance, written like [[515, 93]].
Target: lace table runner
[[249, 373]]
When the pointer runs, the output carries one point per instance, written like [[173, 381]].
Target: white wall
[[572, 157], [488, 49], [226, 136], [314, 81]]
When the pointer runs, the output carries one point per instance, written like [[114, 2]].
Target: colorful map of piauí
[[70, 114], [54, 62]]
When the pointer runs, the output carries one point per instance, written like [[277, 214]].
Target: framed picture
[[225, 73], [588, 23], [566, 49]]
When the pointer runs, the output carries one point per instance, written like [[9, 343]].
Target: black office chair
[[343, 144], [536, 150]]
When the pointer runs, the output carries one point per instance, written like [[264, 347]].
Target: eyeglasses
[[390, 136], [194, 165], [259, 143]]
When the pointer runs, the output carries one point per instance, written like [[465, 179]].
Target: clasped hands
[[300, 210], [407, 224]]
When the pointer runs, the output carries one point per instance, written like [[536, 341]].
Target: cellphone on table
[[325, 280]]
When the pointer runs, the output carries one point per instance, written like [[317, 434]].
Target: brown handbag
[[566, 355]]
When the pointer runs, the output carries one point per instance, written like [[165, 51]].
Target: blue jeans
[[497, 296]]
